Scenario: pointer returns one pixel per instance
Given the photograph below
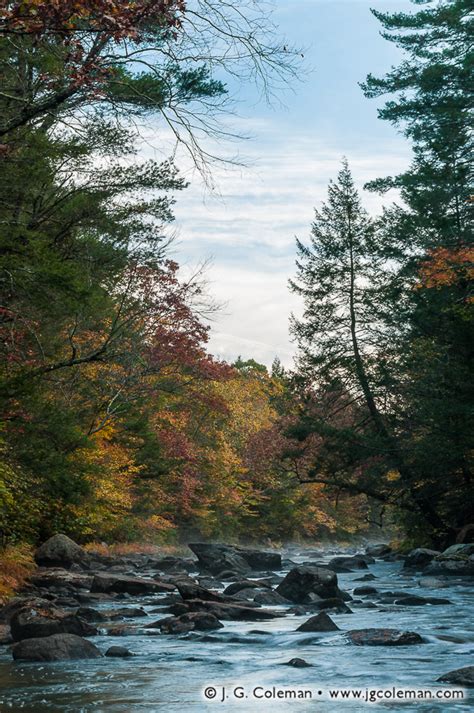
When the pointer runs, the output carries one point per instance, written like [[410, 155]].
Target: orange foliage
[[445, 267]]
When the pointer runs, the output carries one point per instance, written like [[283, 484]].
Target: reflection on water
[[169, 672]]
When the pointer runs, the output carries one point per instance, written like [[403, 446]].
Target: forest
[[117, 423]]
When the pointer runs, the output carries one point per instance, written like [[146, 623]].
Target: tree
[[433, 105], [431, 236], [135, 59], [348, 361]]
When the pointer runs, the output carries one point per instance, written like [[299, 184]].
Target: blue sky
[[248, 226]]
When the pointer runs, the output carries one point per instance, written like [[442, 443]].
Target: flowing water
[[170, 673]]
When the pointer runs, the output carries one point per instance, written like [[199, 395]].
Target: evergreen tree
[[431, 236]]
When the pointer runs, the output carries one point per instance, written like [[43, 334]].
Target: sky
[[247, 226]]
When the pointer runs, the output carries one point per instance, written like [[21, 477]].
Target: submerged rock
[[416, 601], [366, 578], [432, 583], [57, 647], [383, 637], [297, 663]]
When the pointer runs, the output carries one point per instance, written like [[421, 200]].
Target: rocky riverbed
[[123, 634]]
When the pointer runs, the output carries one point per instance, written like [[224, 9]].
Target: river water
[[170, 673]]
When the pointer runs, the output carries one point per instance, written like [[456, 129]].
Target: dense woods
[[117, 423]]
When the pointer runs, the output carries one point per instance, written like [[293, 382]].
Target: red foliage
[[120, 19]]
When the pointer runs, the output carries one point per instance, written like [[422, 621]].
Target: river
[[170, 673]]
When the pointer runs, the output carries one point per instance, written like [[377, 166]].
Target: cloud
[[249, 228]]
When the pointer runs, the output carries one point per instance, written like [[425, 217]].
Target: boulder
[[57, 647], [192, 621], [107, 583], [17, 603], [173, 564], [60, 578], [230, 611], [419, 558], [460, 677], [236, 587], [29, 622], [465, 550], [195, 591], [303, 581], [383, 637], [270, 598], [118, 652], [347, 563], [452, 566], [378, 550], [216, 558], [320, 622], [60, 551]]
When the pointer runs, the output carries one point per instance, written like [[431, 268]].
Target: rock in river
[[383, 637], [302, 581], [216, 558], [31, 622], [130, 585], [460, 676], [118, 652], [231, 611], [55, 648], [297, 663], [320, 622], [419, 558], [199, 621], [378, 550]]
